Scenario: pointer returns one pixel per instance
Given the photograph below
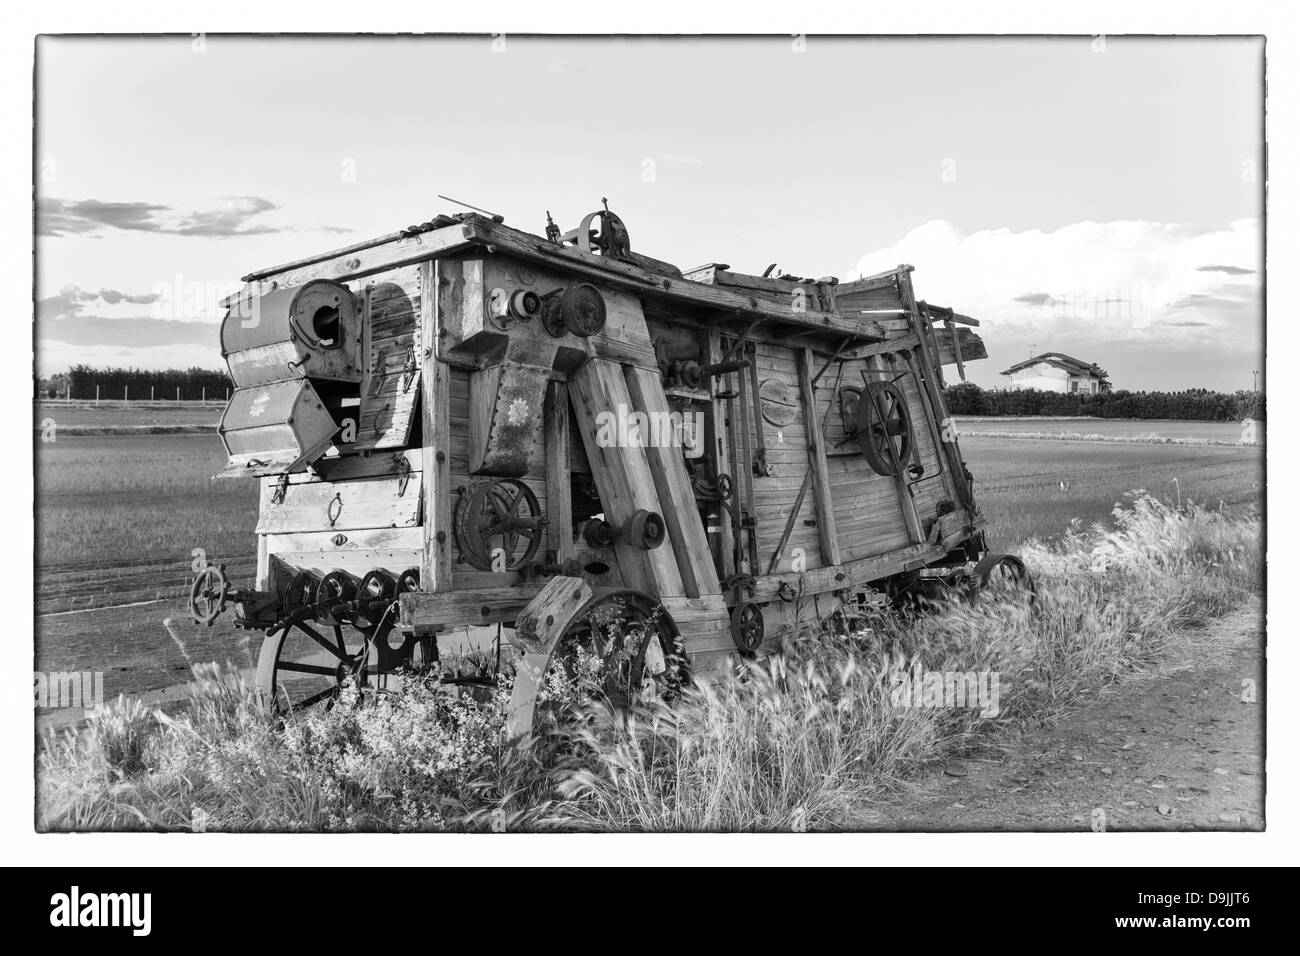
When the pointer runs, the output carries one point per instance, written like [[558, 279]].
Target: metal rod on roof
[[468, 206]]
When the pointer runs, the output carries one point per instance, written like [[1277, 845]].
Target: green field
[[1131, 429], [134, 415], [1018, 481], [138, 499]]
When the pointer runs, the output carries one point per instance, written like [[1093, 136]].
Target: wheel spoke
[[316, 636], [300, 668], [314, 699]]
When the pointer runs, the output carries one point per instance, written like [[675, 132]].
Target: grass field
[[1017, 481], [128, 416], [134, 499], [1114, 428]]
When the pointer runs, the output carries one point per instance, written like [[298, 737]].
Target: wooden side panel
[[387, 502], [391, 382], [787, 456], [436, 438], [559, 515], [821, 490], [458, 467]]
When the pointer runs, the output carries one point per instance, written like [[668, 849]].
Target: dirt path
[[1175, 750]]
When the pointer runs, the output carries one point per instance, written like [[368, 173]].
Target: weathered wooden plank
[[388, 502], [427, 613], [405, 539], [686, 535], [683, 291], [355, 262], [435, 568], [821, 486], [719, 447], [559, 510], [622, 474]]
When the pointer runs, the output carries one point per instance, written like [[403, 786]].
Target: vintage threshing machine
[[462, 424]]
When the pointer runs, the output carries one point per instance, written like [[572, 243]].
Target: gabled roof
[[1062, 361]]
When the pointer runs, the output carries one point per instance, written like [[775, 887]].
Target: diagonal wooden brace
[[538, 629]]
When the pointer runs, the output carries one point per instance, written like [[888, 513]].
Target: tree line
[[1193, 404], [136, 384]]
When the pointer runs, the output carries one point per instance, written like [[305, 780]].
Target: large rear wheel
[[635, 642]]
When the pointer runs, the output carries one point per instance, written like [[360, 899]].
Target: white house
[[1057, 372]]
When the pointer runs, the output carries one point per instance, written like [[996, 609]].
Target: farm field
[[131, 415], [1114, 428], [117, 517], [1018, 481]]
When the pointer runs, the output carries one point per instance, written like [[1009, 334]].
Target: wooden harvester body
[[449, 419]]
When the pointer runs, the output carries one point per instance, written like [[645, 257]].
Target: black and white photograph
[[459, 434]]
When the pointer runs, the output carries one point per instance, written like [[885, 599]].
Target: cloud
[[71, 301], [61, 217], [1034, 298], [142, 333], [56, 217], [1230, 270], [1135, 296]]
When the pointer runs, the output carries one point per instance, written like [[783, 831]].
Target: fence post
[[204, 394], [124, 391], [96, 394], [67, 394], [178, 393], [151, 388]]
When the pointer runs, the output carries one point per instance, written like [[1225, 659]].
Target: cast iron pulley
[[374, 598], [336, 589], [747, 626], [499, 524], [583, 309], [644, 530], [884, 428], [408, 581], [298, 593], [208, 594]]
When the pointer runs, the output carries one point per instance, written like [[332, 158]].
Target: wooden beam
[[937, 408], [686, 534], [821, 484], [356, 262], [720, 447], [537, 630], [622, 474], [559, 500], [684, 291], [435, 402], [427, 613]]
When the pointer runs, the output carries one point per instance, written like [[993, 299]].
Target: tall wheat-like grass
[[803, 741]]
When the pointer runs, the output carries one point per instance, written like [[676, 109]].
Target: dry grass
[[800, 742]]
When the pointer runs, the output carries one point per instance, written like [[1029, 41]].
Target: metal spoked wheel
[[208, 594], [499, 519], [884, 428], [1004, 576], [299, 667], [636, 642]]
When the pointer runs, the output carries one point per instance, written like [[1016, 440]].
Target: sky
[[1101, 197]]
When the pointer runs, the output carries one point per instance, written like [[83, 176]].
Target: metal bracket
[[333, 513]]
